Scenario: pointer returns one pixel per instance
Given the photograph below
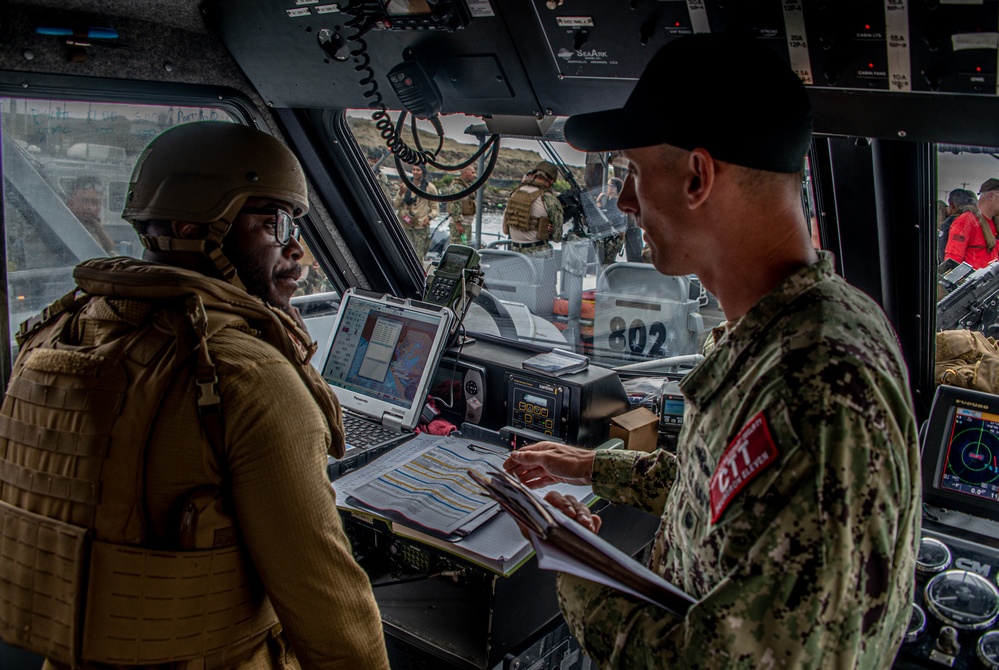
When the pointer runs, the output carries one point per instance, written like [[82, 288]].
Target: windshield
[[563, 266], [966, 250], [67, 166]]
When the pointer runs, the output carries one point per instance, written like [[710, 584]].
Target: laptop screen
[[383, 349]]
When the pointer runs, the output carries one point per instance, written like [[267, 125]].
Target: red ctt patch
[[750, 453]]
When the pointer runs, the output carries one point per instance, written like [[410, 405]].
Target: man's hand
[[547, 463], [575, 510]]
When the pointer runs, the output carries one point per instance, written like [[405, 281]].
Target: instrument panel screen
[[537, 405], [971, 466]]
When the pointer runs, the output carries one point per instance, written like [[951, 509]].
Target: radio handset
[[455, 274], [415, 89]]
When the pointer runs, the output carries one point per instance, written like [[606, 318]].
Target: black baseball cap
[[729, 94], [990, 184]]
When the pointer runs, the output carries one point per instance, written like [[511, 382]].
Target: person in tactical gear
[[533, 214], [169, 439], [791, 509], [462, 211], [415, 212]]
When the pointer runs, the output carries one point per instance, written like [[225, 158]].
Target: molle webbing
[[143, 606], [40, 594], [146, 606], [76, 582], [518, 210]]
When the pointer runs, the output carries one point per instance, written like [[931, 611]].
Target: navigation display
[[960, 452], [972, 461]]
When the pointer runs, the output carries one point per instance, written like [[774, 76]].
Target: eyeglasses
[[285, 227]]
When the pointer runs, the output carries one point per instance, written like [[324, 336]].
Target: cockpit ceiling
[[551, 57]]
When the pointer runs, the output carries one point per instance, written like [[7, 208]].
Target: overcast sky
[[963, 171]]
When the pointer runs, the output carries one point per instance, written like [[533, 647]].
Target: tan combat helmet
[[204, 172]]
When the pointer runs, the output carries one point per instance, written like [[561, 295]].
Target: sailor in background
[[533, 214]]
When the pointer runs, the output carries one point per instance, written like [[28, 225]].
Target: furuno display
[[961, 452]]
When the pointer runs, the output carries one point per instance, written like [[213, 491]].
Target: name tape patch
[[749, 454]]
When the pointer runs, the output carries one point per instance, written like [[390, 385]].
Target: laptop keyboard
[[363, 433]]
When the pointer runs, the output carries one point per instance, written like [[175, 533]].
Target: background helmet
[[204, 172]]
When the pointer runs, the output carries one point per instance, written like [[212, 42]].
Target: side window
[[966, 208], [66, 168]]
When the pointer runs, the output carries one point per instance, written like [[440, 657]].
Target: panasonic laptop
[[381, 358]]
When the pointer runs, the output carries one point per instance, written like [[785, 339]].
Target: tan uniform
[[275, 503], [415, 217]]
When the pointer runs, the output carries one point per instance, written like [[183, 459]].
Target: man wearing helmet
[[533, 214], [170, 435]]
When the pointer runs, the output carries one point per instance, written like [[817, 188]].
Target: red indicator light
[[867, 26], [978, 68], [870, 66], [677, 24]]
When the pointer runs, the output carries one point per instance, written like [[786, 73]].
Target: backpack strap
[[206, 378], [72, 300]]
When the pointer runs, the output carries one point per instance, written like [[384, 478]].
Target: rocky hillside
[[510, 166]]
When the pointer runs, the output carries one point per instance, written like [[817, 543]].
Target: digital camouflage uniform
[[462, 212], [811, 564]]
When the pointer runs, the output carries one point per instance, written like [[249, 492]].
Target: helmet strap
[[213, 249], [166, 243], [210, 245]]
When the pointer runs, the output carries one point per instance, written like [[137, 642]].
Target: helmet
[[204, 172], [548, 168]]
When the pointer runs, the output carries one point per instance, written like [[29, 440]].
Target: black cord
[[435, 121], [362, 65], [392, 135], [493, 142]]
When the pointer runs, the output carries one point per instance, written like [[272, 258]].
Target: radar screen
[[972, 463]]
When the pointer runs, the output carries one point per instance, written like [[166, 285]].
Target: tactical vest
[[80, 582], [518, 213], [468, 202], [468, 206]]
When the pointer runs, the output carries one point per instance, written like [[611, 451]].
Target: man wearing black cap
[[791, 509], [972, 237], [533, 214]]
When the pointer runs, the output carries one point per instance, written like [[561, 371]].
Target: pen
[[479, 449]]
